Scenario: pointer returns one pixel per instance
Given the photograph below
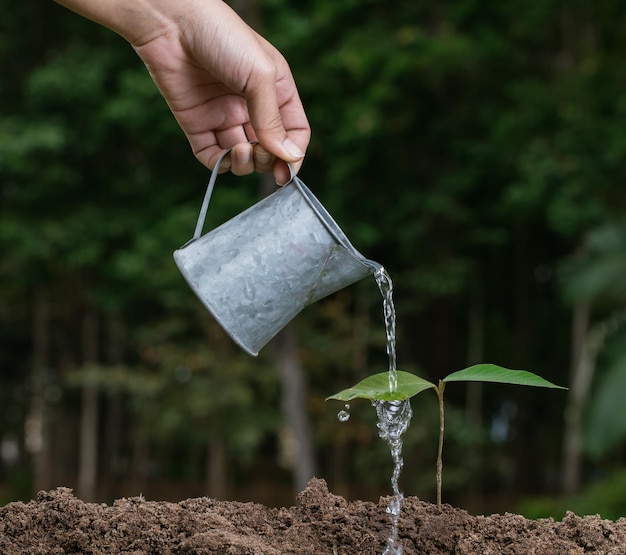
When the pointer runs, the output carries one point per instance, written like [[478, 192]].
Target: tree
[[466, 146], [594, 280]]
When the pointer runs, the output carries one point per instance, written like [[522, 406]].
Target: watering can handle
[[209, 192]]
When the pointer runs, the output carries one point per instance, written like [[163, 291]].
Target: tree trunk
[[37, 423], [521, 298], [581, 372], [294, 406], [216, 469], [297, 432], [113, 439], [140, 454], [526, 475], [88, 456], [474, 396], [476, 348], [587, 342]]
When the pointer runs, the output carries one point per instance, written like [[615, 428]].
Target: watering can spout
[[257, 271]]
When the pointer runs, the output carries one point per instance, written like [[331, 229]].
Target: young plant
[[376, 387]]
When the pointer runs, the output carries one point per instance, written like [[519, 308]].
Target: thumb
[[268, 125], [267, 120]]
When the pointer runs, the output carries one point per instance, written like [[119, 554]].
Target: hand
[[225, 84]]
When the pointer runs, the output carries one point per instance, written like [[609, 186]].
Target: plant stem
[[440, 389]]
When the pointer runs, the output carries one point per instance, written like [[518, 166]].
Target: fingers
[[245, 95], [276, 113], [247, 158], [242, 159], [263, 160], [282, 174], [269, 128]]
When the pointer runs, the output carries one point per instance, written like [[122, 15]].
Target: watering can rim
[[323, 215]]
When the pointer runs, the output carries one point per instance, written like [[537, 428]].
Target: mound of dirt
[[322, 523]]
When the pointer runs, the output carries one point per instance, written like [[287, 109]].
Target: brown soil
[[322, 523]]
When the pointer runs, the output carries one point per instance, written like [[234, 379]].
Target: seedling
[[376, 387]]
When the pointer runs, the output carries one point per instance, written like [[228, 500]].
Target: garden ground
[[321, 523]]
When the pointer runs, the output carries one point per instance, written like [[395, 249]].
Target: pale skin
[[225, 84]]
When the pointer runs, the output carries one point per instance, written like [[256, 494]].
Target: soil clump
[[56, 523]]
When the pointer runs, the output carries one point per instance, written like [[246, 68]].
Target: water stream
[[394, 417], [393, 420], [383, 280]]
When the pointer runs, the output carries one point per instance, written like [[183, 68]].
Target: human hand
[[225, 84]]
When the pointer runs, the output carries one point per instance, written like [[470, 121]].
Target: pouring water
[[394, 417]]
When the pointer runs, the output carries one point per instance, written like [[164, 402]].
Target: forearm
[[138, 21]]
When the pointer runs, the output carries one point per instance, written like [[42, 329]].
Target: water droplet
[[343, 416]]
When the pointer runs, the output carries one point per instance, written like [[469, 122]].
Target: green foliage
[[605, 426], [606, 497], [497, 374], [465, 145], [596, 273], [376, 387]]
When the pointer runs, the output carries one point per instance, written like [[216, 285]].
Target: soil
[[321, 523]]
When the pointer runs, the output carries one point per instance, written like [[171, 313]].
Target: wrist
[[138, 21]]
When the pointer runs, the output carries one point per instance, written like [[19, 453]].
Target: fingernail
[[243, 156], [292, 149], [225, 165]]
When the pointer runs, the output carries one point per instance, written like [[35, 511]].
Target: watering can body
[[258, 270]]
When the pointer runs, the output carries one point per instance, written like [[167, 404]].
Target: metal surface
[[258, 270]]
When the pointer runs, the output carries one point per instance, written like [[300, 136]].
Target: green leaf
[[497, 374], [377, 387]]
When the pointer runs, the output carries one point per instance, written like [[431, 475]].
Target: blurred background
[[475, 148]]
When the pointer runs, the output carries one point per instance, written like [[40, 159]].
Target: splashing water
[[394, 417]]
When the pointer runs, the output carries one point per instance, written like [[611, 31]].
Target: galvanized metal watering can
[[257, 271]]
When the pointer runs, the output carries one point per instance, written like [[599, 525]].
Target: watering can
[[257, 271]]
